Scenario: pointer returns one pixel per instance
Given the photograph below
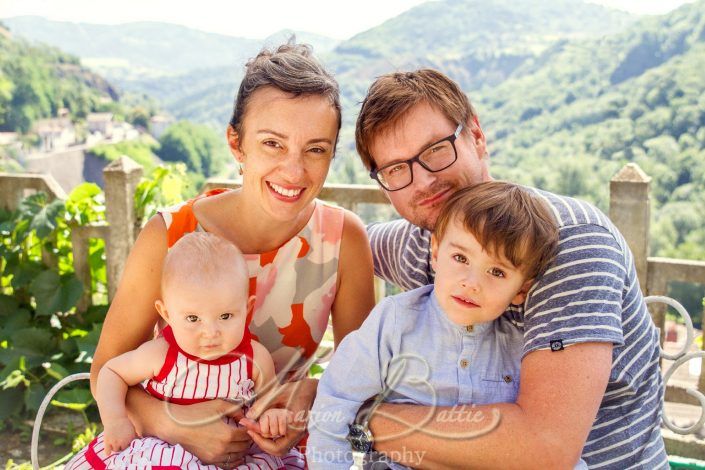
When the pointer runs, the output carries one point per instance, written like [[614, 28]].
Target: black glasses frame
[[374, 174]]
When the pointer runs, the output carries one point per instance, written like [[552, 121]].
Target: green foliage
[[166, 186], [35, 82], [198, 146], [141, 150], [39, 292], [43, 335]]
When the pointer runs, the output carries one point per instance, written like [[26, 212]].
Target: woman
[[306, 260]]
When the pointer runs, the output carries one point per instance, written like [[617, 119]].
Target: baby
[[205, 353], [446, 344]]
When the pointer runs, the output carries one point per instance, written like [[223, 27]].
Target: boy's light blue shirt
[[409, 344]]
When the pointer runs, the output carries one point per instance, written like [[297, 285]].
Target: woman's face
[[286, 147]]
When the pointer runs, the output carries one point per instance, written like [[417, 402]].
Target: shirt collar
[[476, 330]]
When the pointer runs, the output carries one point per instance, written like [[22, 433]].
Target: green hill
[[568, 120], [136, 50], [483, 41], [36, 81]]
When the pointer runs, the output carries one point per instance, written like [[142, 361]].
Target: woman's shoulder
[[336, 221], [181, 218]]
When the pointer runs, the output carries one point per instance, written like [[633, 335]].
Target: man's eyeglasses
[[436, 157]]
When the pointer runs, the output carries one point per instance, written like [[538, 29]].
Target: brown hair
[[290, 68], [392, 95], [506, 219], [205, 257]]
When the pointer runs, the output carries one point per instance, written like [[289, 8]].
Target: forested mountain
[[136, 50], [478, 42], [568, 120], [567, 92], [36, 81], [483, 41]]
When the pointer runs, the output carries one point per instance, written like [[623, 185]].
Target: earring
[[240, 170]]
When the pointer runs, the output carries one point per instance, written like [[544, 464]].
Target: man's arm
[[578, 301], [559, 396], [400, 252]]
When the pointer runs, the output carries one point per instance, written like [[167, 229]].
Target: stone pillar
[[10, 192], [701, 379], [121, 179], [79, 243], [630, 212]]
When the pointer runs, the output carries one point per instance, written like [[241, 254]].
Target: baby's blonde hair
[[205, 258]]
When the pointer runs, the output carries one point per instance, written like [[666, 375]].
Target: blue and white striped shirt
[[589, 294]]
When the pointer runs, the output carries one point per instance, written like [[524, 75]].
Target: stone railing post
[[13, 188], [630, 212], [121, 179], [701, 379]]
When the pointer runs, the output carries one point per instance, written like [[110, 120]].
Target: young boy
[[449, 343], [205, 353]]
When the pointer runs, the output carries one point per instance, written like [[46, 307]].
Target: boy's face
[[472, 285], [207, 318]]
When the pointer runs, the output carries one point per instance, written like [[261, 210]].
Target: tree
[[198, 146]]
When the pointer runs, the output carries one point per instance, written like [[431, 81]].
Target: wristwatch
[[360, 436]]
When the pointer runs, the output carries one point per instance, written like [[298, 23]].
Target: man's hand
[[118, 434], [297, 397], [201, 429]]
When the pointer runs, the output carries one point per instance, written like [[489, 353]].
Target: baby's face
[[472, 285], [207, 318]]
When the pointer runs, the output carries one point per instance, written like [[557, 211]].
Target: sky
[[255, 19]]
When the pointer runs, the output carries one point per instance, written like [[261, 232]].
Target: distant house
[[8, 138], [124, 131], [55, 134], [158, 124], [100, 122]]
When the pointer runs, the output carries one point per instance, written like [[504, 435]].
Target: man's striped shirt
[[589, 294]]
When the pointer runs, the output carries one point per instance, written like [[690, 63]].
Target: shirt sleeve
[[400, 252], [355, 373], [579, 298]]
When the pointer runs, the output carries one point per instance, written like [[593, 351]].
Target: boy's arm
[[355, 373]]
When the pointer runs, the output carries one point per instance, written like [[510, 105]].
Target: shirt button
[[508, 378], [464, 363], [470, 328]]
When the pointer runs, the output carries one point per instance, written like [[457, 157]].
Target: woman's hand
[[294, 396], [201, 430]]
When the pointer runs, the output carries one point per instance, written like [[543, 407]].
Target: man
[[590, 379]]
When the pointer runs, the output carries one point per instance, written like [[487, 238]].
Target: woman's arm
[[355, 296], [130, 322]]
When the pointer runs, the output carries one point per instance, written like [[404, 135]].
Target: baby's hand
[[117, 435], [274, 422]]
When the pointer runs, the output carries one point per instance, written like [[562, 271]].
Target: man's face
[[421, 201]]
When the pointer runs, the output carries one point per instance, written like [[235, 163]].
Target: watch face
[[360, 438]]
